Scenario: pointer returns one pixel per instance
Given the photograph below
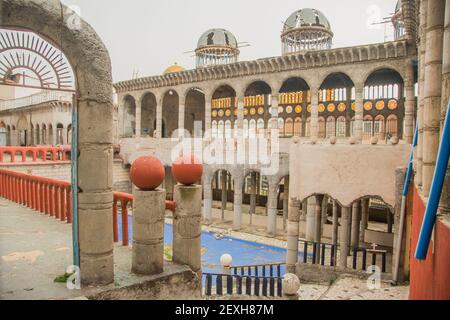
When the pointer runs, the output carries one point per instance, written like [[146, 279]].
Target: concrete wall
[[61, 171], [430, 279], [346, 172]]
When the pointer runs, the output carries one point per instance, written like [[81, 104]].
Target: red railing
[[53, 198], [56, 153]]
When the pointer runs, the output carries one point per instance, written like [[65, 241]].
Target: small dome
[[217, 37], [306, 18], [174, 68]]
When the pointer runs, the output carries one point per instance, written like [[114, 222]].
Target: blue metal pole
[[429, 218]]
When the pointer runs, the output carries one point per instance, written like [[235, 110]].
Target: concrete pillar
[[207, 116], [207, 201], [359, 112], [420, 108], [54, 134], [344, 238], [334, 235], [364, 219], [410, 102], [252, 196], [314, 125], [272, 210], [224, 180], [187, 226], [292, 235], [237, 204], [356, 221], [285, 201], [310, 218], [433, 90], [181, 116], [302, 231], [138, 117], [158, 131], [444, 205], [148, 231]]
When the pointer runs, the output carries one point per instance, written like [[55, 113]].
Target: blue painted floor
[[243, 252]]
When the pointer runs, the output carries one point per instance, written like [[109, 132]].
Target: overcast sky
[[149, 35]]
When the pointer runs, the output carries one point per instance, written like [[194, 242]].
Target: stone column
[[364, 219], [314, 125], [272, 210], [148, 231], [224, 180], [433, 90], [302, 230], [54, 134], [237, 206], [359, 112], [310, 218], [444, 205], [240, 115], [344, 238], [207, 200], [158, 131], [318, 220], [187, 226], [324, 213], [420, 109], [252, 196], [410, 102], [181, 116], [138, 117], [208, 116], [292, 235], [274, 111], [356, 221], [285, 201], [334, 236]]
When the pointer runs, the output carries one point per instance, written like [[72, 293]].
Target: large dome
[[306, 29], [306, 18], [217, 37], [173, 69]]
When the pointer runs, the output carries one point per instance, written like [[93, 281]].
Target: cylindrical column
[[356, 220], [148, 231], [224, 179], [318, 220], [334, 237], [138, 117], [344, 237], [187, 226], [181, 115], [359, 112], [310, 218], [292, 235], [364, 219], [285, 201], [314, 125], [237, 206], [207, 202], [433, 90], [158, 131], [252, 196], [272, 209]]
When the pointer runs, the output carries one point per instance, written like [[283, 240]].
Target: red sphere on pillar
[[187, 170], [147, 173]]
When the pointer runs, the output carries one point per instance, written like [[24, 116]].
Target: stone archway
[[92, 66]]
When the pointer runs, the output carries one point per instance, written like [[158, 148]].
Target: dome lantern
[[306, 29], [216, 46]]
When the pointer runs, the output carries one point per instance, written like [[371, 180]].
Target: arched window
[[331, 127], [322, 128], [391, 126], [289, 128], [308, 127], [214, 129], [396, 91], [245, 128], [221, 129], [378, 127], [368, 127], [281, 127], [298, 127], [228, 129], [260, 126], [341, 127], [252, 128]]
